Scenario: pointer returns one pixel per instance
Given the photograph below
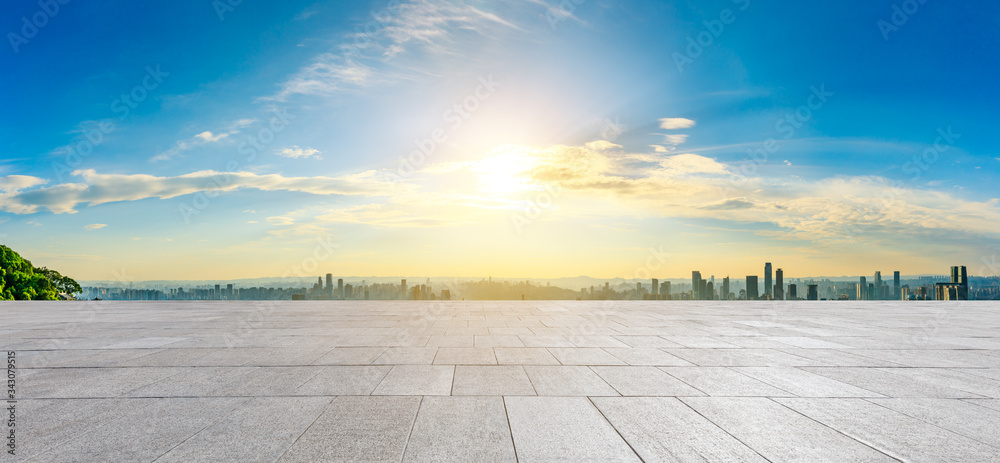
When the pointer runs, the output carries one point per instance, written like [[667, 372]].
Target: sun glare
[[504, 171]]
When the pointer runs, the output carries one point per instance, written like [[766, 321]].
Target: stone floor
[[505, 381]]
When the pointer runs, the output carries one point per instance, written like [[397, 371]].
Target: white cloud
[[280, 220], [13, 183], [298, 153], [675, 123], [95, 226], [659, 148], [106, 188], [675, 139], [201, 139], [601, 145]]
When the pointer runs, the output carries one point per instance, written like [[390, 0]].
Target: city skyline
[[523, 138]]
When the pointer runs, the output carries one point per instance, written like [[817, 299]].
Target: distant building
[[725, 289], [767, 279], [779, 285], [340, 288], [695, 285], [896, 294], [753, 291], [665, 290], [955, 290], [655, 289], [863, 289], [792, 292], [812, 292], [709, 291]]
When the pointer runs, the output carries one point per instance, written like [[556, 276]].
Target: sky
[[524, 138]]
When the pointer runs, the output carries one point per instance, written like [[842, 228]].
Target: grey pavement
[[517, 381]]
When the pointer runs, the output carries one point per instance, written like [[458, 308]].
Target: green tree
[[19, 280]]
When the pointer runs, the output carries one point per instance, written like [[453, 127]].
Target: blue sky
[[571, 138]]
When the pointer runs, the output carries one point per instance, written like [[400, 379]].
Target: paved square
[[505, 381]]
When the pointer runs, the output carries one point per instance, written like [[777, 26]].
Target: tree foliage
[[21, 281]]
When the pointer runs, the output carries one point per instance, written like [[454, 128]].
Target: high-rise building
[[703, 289], [329, 281], [695, 285], [779, 285], [878, 287], [863, 289], [638, 289], [812, 292], [793, 292], [402, 290], [665, 290], [753, 291], [767, 279], [340, 288], [895, 285], [725, 289], [218, 295], [655, 289], [709, 290]]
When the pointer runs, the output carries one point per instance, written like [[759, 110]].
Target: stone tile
[[595, 341], [546, 341], [893, 433], [465, 356], [524, 356], [451, 341], [959, 416], [350, 356], [803, 383], [779, 433], [647, 341], [667, 430], [724, 382], [563, 429], [584, 356], [260, 430], [742, 358], [888, 382], [407, 356], [268, 381], [644, 381], [646, 356], [344, 380], [417, 380], [461, 429], [498, 341], [491, 380], [136, 437], [568, 381], [357, 429]]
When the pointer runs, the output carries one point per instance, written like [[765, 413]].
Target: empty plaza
[[503, 381]]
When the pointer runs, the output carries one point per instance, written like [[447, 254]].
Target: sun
[[505, 171]]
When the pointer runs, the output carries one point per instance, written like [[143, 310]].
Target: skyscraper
[[878, 287], [753, 292], [812, 292], [402, 290], [695, 282], [725, 289], [655, 289], [703, 289], [863, 289], [895, 285], [709, 290], [793, 292], [767, 279], [340, 288], [329, 281], [779, 285], [665, 290]]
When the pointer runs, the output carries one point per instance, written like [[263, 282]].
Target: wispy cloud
[[201, 139], [675, 123], [107, 188], [95, 226], [298, 153]]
